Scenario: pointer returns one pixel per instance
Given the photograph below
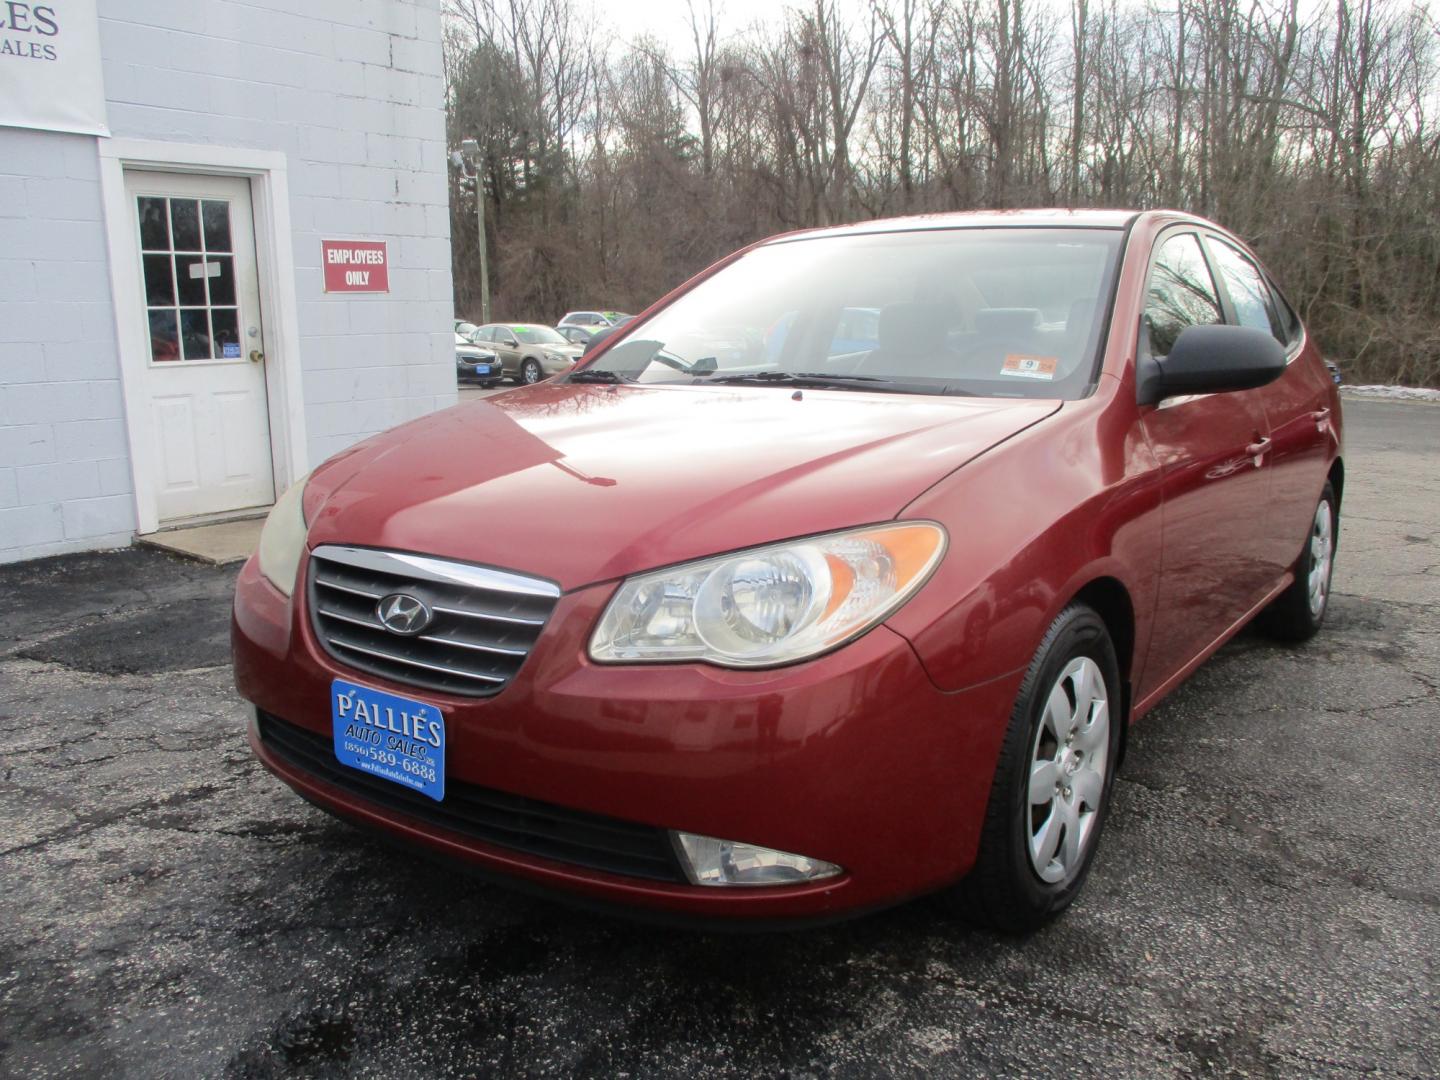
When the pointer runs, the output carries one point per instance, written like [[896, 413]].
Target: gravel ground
[[1267, 902]]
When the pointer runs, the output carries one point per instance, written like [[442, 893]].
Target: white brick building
[[168, 350]]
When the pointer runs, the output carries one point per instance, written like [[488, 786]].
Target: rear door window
[[1249, 293]]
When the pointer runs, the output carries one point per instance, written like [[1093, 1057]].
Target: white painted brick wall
[[61, 415], [351, 91]]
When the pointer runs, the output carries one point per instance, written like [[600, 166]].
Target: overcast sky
[[669, 20]]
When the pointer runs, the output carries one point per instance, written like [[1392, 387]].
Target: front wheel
[[1052, 783], [530, 372], [1298, 613]]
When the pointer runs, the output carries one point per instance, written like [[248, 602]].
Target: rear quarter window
[[1289, 321]]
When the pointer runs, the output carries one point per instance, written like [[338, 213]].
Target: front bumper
[[855, 758], [467, 369]]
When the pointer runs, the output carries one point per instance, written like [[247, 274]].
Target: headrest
[[1006, 321], [913, 329]]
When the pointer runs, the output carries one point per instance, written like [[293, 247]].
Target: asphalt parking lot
[[1266, 903]]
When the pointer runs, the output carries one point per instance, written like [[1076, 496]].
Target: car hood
[[583, 483]]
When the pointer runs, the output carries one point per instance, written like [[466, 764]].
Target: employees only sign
[[50, 66], [355, 265]]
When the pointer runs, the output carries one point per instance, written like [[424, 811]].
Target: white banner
[[50, 67]]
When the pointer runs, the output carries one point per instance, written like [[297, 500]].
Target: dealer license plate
[[395, 738], [482, 369]]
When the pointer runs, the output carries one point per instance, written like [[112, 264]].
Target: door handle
[[256, 356], [1257, 450]]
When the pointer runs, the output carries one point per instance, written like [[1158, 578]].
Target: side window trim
[[1217, 278]]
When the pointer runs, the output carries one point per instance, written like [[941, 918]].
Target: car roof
[[1058, 218]]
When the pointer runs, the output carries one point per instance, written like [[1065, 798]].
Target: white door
[[205, 368]]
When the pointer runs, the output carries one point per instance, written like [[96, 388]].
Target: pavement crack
[[86, 823]]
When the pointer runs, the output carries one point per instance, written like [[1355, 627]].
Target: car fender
[[1031, 524]]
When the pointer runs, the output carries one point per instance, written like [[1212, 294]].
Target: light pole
[[470, 151]]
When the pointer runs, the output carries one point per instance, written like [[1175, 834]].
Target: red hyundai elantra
[[834, 578]]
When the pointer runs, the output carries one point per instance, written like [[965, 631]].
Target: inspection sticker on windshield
[[1030, 367], [389, 736]]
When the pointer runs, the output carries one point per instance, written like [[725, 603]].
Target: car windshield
[[990, 312], [538, 335]]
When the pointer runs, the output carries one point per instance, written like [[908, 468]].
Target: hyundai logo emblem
[[401, 613]]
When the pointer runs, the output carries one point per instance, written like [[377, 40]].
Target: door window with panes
[[189, 266]]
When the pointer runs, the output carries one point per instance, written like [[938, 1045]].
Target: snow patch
[[1402, 393]]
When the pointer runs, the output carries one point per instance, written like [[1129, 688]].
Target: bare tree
[[608, 175]]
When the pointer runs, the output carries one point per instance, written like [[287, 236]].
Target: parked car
[[579, 335], [529, 352], [474, 364], [465, 329], [596, 319], [789, 638]]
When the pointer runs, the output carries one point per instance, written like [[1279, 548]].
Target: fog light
[[708, 861]]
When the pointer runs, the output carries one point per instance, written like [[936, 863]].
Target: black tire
[[1292, 616], [1004, 890], [531, 372]]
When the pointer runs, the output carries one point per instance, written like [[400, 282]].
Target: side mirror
[[1212, 359]]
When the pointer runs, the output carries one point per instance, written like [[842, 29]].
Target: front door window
[[1181, 293]]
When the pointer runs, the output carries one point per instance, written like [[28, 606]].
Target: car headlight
[[282, 540], [769, 605]]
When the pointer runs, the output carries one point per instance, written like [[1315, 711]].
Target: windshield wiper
[[813, 379], [596, 375]]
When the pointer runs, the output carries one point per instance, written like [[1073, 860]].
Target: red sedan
[[835, 578]]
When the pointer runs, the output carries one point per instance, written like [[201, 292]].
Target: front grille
[[494, 817], [485, 621]]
